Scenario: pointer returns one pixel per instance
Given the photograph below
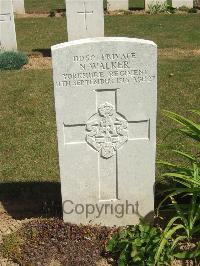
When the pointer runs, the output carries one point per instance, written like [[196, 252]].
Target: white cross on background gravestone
[[85, 18], [106, 136], [7, 26], [105, 99], [85, 13]]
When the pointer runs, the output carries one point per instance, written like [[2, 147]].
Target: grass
[[10, 247], [178, 91], [49, 31], [28, 138], [136, 4], [28, 126], [43, 6], [168, 31]]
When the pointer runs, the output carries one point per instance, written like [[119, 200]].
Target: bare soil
[[38, 62], [57, 244], [36, 15], [53, 242], [175, 53]]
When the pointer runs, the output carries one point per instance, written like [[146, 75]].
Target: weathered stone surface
[[149, 2], [85, 19], [179, 3], [18, 6], [7, 26], [113, 5], [105, 99]]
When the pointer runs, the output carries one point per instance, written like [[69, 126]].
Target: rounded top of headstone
[[101, 40]]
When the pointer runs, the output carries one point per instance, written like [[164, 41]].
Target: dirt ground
[[9, 225], [37, 250], [36, 15], [38, 62]]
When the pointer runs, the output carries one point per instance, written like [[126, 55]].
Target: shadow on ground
[[23, 200], [60, 10], [31, 199], [44, 52]]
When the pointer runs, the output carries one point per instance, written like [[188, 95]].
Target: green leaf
[[170, 223], [192, 129], [180, 213], [185, 155], [175, 192], [196, 215], [111, 245], [196, 230], [122, 258], [177, 240], [195, 112], [183, 177], [134, 252], [166, 235], [186, 255], [138, 242], [123, 233], [177, 168]]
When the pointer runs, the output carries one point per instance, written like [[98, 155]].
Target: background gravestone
[[85, 18], [179, 3], [117, 5], [105, 99], [149, 2], [18, 6], [196, 3], [7, 26]]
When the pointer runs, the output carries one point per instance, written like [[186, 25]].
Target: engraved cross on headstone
[[85, 13], [106, 132]]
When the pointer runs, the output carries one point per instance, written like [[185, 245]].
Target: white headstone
[[85, 19], [153, 2], [179, 3], [7, 26], [18, 6], [105, 99], [113, 5]]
